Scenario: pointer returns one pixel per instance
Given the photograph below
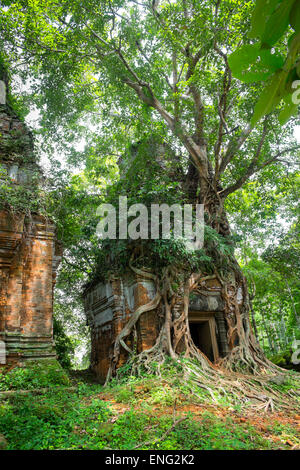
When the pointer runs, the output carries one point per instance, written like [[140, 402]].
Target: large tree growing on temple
[[120, 71]]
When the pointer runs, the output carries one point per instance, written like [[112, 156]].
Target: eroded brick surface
[[27, 259]]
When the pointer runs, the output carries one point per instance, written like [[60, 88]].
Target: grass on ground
[[131, 413]]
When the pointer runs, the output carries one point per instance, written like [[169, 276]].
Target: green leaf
[[250, 63], [288, 110], [294, 48], [291, 39], [268, 99], [295, 16], [277, 23], [242, 57]]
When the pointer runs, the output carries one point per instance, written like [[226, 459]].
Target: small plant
[[125, 395], [162, 395]]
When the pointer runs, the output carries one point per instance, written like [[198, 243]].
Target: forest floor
[[73, 412]]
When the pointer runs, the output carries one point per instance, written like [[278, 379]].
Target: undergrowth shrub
[[34, 375]]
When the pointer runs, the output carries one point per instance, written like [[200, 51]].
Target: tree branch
[[222, 109], [196, 151], [199, 108], [233, 147]]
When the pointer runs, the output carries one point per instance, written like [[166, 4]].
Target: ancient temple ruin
[[109, 305], [29, 252]]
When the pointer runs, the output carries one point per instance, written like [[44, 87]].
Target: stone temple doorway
[[203, 332]]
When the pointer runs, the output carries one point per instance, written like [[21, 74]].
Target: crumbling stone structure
[[109, 305], [29, 252]]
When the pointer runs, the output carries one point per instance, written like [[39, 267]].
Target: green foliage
[[266, 232], [284, 431], [213, 434], [87, 418], [53, 422], [258, 62], [283, 359], [34, 375], [71, 334], [275, 306], [79, 85], [22, 198], [125, 395], [80, 420], [3, 68], [261, 62], [64, 346], [114, 255], [148, 180], [85, 96]]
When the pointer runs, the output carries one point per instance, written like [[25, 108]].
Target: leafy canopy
[[116, 71]]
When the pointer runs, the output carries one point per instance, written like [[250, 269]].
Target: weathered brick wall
[[29, 253], [108, 308], [28, 260]]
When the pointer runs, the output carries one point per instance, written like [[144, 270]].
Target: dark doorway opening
[[201, 335]]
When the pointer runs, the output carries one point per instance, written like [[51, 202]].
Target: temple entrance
[[203, 332]]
